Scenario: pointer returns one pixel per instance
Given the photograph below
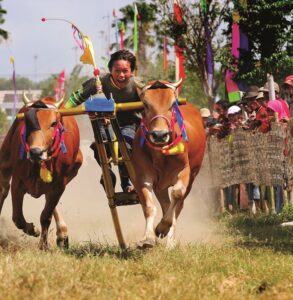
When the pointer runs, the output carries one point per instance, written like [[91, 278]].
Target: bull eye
[[146, 106], [53, 124]]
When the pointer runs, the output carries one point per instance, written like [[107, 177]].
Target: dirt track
[[84, 207]]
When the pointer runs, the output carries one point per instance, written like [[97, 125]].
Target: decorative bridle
[[57, 141], [176, 117]]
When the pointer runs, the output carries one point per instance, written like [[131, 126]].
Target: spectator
[[288, 88]]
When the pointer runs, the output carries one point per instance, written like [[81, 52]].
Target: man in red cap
[[288, 88]]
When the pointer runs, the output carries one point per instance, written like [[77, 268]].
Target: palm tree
[[146, 20], [3, 33]]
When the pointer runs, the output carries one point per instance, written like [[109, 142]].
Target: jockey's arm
[[88, 89]]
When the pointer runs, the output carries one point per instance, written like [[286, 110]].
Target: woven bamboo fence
[[253, 157]]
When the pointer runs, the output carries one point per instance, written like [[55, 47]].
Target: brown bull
[[167, 152], [40, 156]]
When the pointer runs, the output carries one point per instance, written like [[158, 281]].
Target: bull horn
[[139, 84], [176, 84], [25, 99], [58, 103]]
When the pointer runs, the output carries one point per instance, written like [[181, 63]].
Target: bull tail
[[6, 164]]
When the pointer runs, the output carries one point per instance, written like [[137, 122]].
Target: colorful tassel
[[177, 149], [45, 174]]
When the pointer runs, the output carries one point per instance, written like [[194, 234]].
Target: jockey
[[119, 85]]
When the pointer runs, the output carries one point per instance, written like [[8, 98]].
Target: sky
[[43, 48]]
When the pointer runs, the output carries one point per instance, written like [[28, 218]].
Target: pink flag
[[59, 88]]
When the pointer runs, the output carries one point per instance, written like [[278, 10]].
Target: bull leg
[[62, 233], [178, 195], [52, 199], [149, 210], [5, 176], [4, 190], [17, 194]]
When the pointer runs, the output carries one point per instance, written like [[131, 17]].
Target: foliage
[[73, 83], [192, 35], [254, 265], [22, 83], [3, 33], [268, 25], [146, 20], [243, 220]]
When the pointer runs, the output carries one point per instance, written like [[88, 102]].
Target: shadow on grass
[[91, 249], [263, 231]]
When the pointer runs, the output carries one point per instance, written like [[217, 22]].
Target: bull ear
[[58, 103], [176, 84], [139, 84], [26, 100]]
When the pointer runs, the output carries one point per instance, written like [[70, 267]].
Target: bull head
[[27, 101], [142, 87]]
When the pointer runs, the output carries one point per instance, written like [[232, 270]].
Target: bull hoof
[[43, 246], [63, 243], [146, 244], [31, 230], [162, 229]]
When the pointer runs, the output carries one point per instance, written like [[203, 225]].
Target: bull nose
[[35, 153], [160, 136]]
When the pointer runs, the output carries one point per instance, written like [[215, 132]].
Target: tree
[[3, 33], [146, 20], [196, 30], [268, 25], [71, 84]]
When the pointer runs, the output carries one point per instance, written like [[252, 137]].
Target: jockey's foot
[[126, 185], [129, 189]]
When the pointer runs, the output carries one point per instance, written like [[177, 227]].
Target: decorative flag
[[135, 30], [232, 87], [15, 99], [203, 5], [84, 43], [121, 31], [116, 28], [59, 88], [209, 56], [235, 41], [165, 55], [179, 52]]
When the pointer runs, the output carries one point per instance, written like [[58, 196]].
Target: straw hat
[[234, 109], [205, 112], [251, 92]]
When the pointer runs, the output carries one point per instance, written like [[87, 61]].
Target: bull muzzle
[[160, 137], [37, 155]]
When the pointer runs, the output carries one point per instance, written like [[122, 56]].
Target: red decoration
[[43, 19], [96, 72]]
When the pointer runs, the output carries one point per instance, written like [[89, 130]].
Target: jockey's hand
[[89, 88]]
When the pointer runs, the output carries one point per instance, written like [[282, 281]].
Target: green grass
[[253, 260]]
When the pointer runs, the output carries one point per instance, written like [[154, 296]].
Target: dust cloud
[[86, 212]]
